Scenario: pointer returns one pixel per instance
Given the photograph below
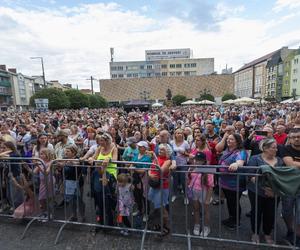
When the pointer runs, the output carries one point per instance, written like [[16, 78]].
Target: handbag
[[154, 183]]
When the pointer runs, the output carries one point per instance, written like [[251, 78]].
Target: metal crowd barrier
[[63, 196], [247, 172]]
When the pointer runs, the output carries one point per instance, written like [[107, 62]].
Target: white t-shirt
[[179, 150]]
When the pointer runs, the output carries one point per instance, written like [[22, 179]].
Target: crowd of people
[[163, 151]]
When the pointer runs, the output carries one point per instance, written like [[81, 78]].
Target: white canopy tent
[[291, 100], [206, 102], [297, 101], [156, 105], [245, 100], [230, 101], [189, 102]]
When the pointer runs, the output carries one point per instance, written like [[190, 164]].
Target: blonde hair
[[48, 153]]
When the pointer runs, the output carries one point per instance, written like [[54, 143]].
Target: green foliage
[[77, 99], [97, 101], [178, 99], [57, 98], [207, 96], [228, 96]]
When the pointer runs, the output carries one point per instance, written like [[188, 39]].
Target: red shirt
[[155, 172], [280, 139]]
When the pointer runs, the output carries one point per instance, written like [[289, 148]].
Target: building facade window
[[149, 66], [186, 73], [172, 73], [187, 65], [120, 76], [178, 73], [164, 66], [172, 65], [113, 68], [157, 74], [135, 75], [120, 68], [193, 65], [164, 73], [178, 65], [296, 61]]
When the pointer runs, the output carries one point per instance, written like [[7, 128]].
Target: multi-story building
[[276, 74], [249, 80], [295, 75], [163, 64], [39, 83], [6, 99], [22, 88], [286, 82]]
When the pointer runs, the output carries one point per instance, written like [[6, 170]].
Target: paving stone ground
[[42, 235]]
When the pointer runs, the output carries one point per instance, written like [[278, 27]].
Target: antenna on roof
[[112, 51]]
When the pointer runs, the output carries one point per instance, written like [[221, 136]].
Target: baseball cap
[[143, 144]]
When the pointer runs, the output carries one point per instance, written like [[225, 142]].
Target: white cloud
[[282, 4], [223, 10], [75, 42]]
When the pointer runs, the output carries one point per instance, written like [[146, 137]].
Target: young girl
[[125, 200], [46, 182], [201, 188], [30, 206]]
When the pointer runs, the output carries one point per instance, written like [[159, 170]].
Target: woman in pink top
[[201, 146]]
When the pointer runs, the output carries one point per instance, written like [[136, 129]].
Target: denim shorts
[[288, 207], [155, 194]]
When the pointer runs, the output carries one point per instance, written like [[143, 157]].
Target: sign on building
[[41, 104]]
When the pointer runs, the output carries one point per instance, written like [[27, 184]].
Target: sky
[[74, 37]]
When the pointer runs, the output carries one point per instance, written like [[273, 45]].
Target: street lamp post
[[42, 62]]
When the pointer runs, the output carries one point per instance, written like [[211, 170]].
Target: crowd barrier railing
[[242, 179], [103, 200], [19, 194], [65, 192]]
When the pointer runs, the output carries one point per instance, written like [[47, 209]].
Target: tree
[[57, 99], [228, 96], [77, 99], [205, 94], [178, 99], [97, 101]]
